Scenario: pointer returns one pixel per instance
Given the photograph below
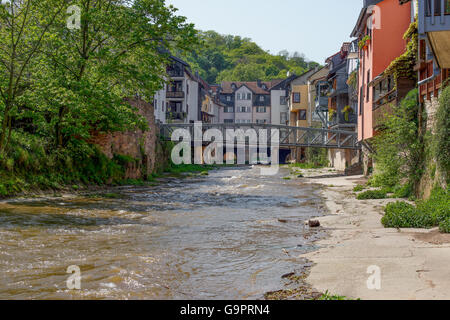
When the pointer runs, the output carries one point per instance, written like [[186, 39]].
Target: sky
[[316, 28]]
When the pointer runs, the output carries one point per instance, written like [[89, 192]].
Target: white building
[[178, 101]]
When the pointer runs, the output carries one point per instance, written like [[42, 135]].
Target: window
[[228, 98], [302, 115], [367, 86], [261, 121], [239, 96], [261, 98], [283, 117], [243, 109], [283, 101], [361, 100], [261, 109], [228, 109], [249, 96], [296, 97], [156, 104], [228, 121], [162, 106]]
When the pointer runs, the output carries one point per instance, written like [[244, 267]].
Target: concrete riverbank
[[413, 263]]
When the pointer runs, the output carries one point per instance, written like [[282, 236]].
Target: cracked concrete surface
[[414, 263]]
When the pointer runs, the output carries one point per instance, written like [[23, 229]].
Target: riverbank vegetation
[[64, 78], [407, 154], [434, 212]]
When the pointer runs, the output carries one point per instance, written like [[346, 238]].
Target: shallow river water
[[229, 235]]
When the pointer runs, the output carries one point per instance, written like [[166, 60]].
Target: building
[[352, 82], [297, 98], [434, 49], [246, 102], [317, 105], [178, 101], [208, 106], [379, 31], [341, 115], [279, 103]]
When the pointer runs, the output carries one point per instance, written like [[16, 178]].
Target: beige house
[[315, 116]]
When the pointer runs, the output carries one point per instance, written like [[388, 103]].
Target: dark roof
[[306, 73], [180, 61], [251, 85]]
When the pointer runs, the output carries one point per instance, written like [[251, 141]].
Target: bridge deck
[[284, 136]]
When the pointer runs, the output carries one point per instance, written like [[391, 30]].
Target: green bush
[[328, 297], [426, 214], [359, 188], [405, 215], [318, 157], [372, 194], [444, 226], [404, 191], [442, 134], [437, 206], [399, 148]]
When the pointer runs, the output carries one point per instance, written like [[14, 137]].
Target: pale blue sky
[[316, 28]]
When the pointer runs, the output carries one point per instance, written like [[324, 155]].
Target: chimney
[[259, 83]]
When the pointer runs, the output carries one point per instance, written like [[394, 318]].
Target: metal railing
[[439, 7], [288, 136], [175, 94]]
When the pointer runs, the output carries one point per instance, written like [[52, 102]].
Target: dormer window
[[264, 87], [233, 85]]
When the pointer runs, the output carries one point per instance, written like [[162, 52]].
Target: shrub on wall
[[398, 147], [442, 132]]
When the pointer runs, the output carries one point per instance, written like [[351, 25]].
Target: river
[[229, 235]]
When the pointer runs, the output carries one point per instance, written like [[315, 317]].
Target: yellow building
[[299, 106], [298, 100]]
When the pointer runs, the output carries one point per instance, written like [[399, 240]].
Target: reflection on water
[[229, 235]]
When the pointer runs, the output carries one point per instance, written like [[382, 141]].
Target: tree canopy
[[233, 58], [68, 78]]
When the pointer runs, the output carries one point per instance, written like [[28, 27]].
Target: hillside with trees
[[232, 58]]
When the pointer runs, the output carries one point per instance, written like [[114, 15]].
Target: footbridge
[[286, 136]]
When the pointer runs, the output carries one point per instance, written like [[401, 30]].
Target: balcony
[[176, 116], [380, 113], [434, 21], [175, 95], [322, 104]]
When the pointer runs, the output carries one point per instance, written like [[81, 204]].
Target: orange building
[[380, 29]]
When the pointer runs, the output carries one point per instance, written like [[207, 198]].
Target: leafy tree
[[119, 51], [24, 26], [232, 58]]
